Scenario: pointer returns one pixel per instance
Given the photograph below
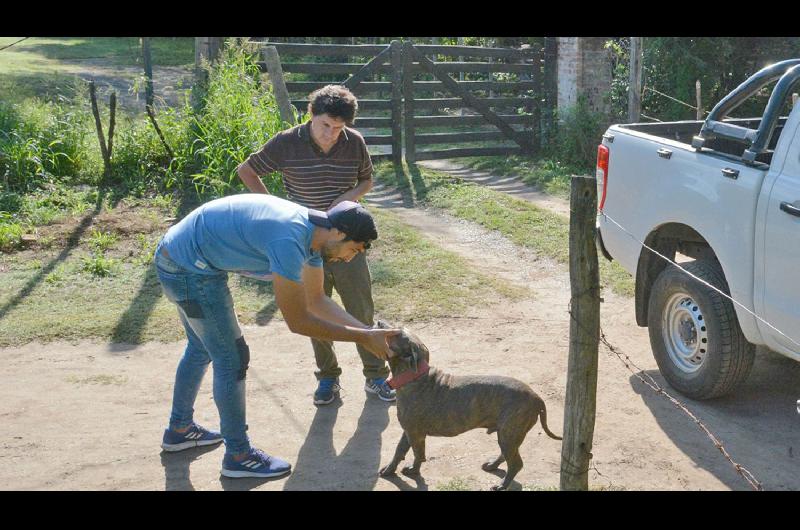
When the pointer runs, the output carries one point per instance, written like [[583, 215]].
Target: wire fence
[[651, 383], [13, 43]]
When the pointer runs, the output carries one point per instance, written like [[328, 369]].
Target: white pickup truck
[[726, 193]]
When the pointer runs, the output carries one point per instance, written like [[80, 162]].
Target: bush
[[54, 143], [45, 142], [237, 116], [10, 233], [580, 131]]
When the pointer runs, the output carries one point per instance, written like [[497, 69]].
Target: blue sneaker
[[327, 391], [381, 388], [257, 464], [196, 436]]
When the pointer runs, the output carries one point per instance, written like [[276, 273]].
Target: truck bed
[[684, 131]]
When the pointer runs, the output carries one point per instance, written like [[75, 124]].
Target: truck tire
[[694, 333]]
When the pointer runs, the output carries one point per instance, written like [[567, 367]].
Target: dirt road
[[95, 412]]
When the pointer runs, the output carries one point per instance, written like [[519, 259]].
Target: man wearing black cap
[[264, 237], [322, 163]]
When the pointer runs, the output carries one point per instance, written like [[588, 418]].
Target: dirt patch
[[124, 221], [171, 84], [115, 395]]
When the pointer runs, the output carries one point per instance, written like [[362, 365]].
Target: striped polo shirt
[[312, 178]]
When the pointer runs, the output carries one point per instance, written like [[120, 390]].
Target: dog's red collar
[[407, 377]]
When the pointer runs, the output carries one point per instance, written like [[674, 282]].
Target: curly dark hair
[[334, 100]]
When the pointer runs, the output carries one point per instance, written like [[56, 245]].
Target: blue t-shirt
[[251, 234]]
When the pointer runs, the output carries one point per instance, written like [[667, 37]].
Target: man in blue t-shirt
[[269, 238]]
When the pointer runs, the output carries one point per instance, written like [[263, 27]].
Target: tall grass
[[237, 117], [54, 142], [45, 142]]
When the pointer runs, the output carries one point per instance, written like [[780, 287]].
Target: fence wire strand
[[658, 389], [13, 43], [673, 99], [668, 260], [641, 374]]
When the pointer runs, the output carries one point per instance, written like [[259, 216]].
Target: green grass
[[101, 241], [523, 223], [456, 484], [549, 175], [43, 66], [116, 297]]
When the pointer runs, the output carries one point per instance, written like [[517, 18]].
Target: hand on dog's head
[[408, 348]]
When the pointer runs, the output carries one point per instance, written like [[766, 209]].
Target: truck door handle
[[731, 173], [664, 153], [790, 208]]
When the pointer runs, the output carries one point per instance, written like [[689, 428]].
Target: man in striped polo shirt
[[324, 162]]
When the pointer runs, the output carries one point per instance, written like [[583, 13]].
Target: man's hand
[[251, 179], [377, 344]]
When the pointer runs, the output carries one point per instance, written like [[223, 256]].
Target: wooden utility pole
[[699, 99], [148, 71], [635, 86], [275, 71], [397, 101], [584, 334]]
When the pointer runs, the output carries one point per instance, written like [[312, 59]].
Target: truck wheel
[[695, 335]]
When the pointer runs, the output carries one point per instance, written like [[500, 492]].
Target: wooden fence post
[[99, 126], [148, 71], [273, 62], [635, 87], [584, 334], [408, 102], [699, 98], [397, 101]]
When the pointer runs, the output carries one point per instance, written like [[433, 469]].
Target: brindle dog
[[433, 403]]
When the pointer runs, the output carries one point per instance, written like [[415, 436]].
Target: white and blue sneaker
[[257, 464], [327, 390], [381, 388], [196, 436]]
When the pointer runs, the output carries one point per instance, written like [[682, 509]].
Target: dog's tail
[[543, 416]]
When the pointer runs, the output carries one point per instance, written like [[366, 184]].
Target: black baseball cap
[[348, 217]]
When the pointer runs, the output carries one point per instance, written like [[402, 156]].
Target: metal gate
[[409, 100]]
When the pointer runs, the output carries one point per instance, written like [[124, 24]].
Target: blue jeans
[[205, 307]]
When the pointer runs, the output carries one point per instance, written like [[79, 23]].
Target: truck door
[[781, 280]]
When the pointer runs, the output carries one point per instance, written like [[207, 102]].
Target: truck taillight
[[602, 174]]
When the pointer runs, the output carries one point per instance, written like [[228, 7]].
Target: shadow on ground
[[758, 425], [318, 465], [73, 240], [176, 467]]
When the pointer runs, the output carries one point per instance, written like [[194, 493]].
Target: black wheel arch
[[668, 240]]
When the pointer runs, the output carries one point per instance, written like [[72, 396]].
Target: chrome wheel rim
[[684, 331]]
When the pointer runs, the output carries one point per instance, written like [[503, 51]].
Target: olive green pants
[[354, 285]]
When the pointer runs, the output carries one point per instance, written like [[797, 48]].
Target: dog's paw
[[387, 471], [410, 471], [382, 324], [491, 465], [498, 487]]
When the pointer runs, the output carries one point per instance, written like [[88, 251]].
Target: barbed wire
[[673, 99], [13, 43], [653, 384], [649, 118], [712, 287]]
